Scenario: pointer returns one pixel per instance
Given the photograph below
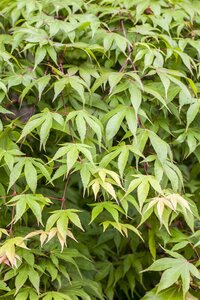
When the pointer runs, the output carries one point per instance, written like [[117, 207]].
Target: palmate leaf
[[44, 121], [8, 250], [169, 205], [98, 183], [170, 201], [161, 148], [142, 183], [105, 179], [76, 84], [40, 83], [174, 269], [122, 151], [116, 118], [112, 89], [82, 119], [116, 40], [62, 219], [171, 293], [9, 156], [25, 273], [71, 152], [31, 166], [31, 175], [24, 202], [122, 228], [111, 208]]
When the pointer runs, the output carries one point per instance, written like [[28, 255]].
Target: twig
[[195, 250], [125, 63], [54, 198], [140, 122], [63, 205], [13, 211], [146, 167], [8, 196], [12, 221], [130, 50]]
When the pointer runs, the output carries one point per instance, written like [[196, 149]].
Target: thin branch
[[12, 221], [8, 196], [125, 63], [196, 251], [13, 211], [130, 50], [64, 199], [54, 198]]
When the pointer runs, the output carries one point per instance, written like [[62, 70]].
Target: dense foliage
[[99, 149]]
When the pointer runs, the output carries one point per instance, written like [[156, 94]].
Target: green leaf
[[136, 97], [95, 212], [132, 121], [16, 172], [142, 191], [30, 126], [59, 87], [42, 83], [114, 124], [30, 175], [81, 126], [152, 243], [52, 53], [39, 55], [45, 130], [35, 208], [34, 278], [192, 112], [171, 293], [21, 208], [160, 147], [72, 157], [169, 277], [74, 218], [21, 279], [85, 175], [122, 160]]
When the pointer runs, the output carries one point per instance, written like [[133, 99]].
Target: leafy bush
[[99, 149]]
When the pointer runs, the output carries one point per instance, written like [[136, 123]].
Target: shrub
[[99, 149]]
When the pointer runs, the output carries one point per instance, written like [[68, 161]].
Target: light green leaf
[[114, 124], [45, 130], [72, 157], [74, 218], [81, 126], [131, 121], [136, 97], [30, 175], [160, 147], [39, 55], [30, 126], [42, 83], [16, 172], [192, 112], [34, 278], [122, 160], [59, 87], [21, 279], [168, 278]]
